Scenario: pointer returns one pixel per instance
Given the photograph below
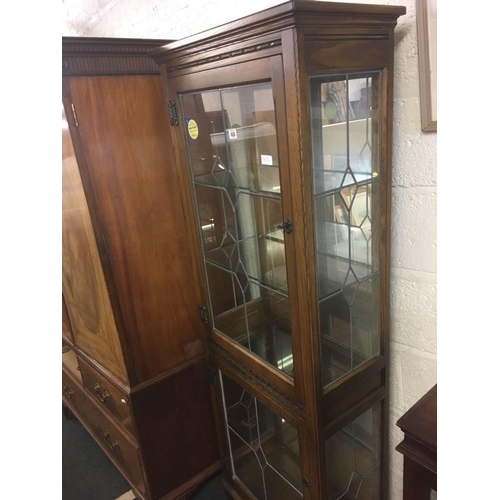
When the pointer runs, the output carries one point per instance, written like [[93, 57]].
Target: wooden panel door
[[125, 140], [83, 282]]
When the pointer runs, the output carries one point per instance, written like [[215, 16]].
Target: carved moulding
[[256, 379]]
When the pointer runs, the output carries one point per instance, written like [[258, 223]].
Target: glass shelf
[[333, 181], [334, 271], [268, 340], [275, 278], [247, 132], [275, 235], [346, 242], [337, 274], [256, 179]]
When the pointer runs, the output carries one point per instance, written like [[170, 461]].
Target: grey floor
[[88, 474]]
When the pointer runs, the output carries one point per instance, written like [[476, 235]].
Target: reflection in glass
[[265, 453], [353, 459], [346, 158], [235, 170]]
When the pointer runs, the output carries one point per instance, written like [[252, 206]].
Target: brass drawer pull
[[103, 396], [69, 393], [109, 441]]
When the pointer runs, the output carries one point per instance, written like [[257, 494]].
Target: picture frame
[[426, 11]]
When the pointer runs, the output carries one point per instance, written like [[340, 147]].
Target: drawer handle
[[109, 441], [102, 396], [69, 393]]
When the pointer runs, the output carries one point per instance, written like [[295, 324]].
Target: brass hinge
[[212, 375], [203, 314], [224, 462], [305, 482], [74, 114], [172, 113]]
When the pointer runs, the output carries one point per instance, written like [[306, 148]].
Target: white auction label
[[266, 159]]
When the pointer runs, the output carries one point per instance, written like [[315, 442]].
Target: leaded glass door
[[235, 163]]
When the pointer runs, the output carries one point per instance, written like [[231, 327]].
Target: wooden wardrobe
[[134, 371]]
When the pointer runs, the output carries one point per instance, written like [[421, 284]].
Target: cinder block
[[414, 154], [396, 394], [413, 373], [414, 314], [414, 230]]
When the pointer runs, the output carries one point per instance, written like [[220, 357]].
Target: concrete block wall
[[413, 268]]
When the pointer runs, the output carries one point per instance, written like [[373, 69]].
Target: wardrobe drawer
[[119, 447], [73, 395], [108, 396]]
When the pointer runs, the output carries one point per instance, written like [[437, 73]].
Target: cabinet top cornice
[[85, 56], [295, 13]]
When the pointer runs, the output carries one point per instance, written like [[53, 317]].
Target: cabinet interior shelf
[[255, 179], [329, 182]]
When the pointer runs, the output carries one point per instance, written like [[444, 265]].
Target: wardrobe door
[[125, 140], [83, 283]]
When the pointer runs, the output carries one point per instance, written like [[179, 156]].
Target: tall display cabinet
[[133, 369], [282, 125]]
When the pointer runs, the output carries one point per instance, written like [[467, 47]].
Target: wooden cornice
[[295, 13], [86, 56]]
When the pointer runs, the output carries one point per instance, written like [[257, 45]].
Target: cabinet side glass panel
[[353, 459], [345, 124], [265, 455], [233, 153]]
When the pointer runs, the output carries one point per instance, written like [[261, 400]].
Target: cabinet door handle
[[109, 441], [286, 226], [102, 396]]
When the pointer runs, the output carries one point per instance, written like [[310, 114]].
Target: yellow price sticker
[[192, 127]]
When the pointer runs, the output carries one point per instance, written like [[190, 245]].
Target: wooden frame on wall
[[427, 62]]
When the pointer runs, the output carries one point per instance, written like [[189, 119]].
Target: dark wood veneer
[[172, 420]]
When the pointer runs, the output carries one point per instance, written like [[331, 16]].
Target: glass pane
[[346, 156], [264, 447], [232, 138], [257, 247], [353, 459], [344, 114], [231, 135]]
